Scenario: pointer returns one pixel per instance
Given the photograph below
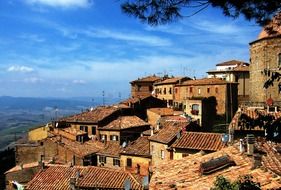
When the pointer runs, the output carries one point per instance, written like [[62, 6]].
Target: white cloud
[[61, 3], [78, 81], [22, 69], [127, 36]]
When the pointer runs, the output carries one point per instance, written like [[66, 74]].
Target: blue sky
[[68, 48]]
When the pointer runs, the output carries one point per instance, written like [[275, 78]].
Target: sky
[[77, 48]]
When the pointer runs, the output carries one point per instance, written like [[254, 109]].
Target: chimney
[[256, 161], [250, 144], [73, 161], [151, 132], [72, 182], [241, 146]]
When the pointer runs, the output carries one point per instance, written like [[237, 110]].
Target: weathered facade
[[265, 54], [165, 90], [143, 86], [234, 71]]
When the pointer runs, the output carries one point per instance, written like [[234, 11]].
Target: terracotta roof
[[169, 131], [124, 122], [74, 131], [232, 63], [134, 100], [58, 177], [204, 81], [275, 25], [111, 149], [242, 68], [92, 116], [139, 147], [24, 166], [147, 79], [185, 173], [272, 159], [199, 141], [80, 149], [173, 80], [177, 118], [162, 111]]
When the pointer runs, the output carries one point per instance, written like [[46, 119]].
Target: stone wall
[[264, 55]]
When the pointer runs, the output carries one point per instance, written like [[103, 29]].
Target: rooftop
[[139, 147], [92, 116], [162, 111], [232, 63], [73, 131], [79, 149], [199, 141], [205, 81], [58, 177], [169, 131], [111, 149], [274, 25], [185, 173], [152, 79], [173, 80], [125, 122]]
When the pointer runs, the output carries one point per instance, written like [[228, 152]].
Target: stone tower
[[265, 53]]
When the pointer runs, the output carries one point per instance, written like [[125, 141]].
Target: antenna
[[103, 100]]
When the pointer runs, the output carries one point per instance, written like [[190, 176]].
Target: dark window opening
[[93, 130], [150, 88], [190, 89], [279, 60], [102, 159], [164, 91], [116, 162], [195, 109], [170, 91], [129, 162], [208, 90], [216, 89]]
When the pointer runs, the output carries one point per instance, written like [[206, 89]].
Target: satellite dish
[[127, 184]]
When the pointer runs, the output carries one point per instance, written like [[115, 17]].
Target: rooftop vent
[[216, 164]]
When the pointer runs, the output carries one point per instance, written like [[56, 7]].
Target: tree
[[242, 183], [155, 12]]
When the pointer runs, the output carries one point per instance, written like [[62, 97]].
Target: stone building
[[143, 86], [123, 129], [265, 53], [221, 93], [165, 90], [234, 71], [136, 157]]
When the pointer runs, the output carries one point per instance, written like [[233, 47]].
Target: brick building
[[136, 157], [165, 90], [221, 93], [123, 129], [265, 53], [143, 86], [234, 71]]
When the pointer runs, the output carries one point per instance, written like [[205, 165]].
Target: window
[[190, 89], [152, 149], [216, 89], [138, 169], [84, 128], [138, 87], [176, 90], [199, 91], [150, 88], [102, 159], [164, 91], [103, 138], [162, 154], [116, 162], [170, 91], [208, 90], [93, 130], [113, 137], [195, 109], [129, 162]]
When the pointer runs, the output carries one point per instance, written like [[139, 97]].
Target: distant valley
[[19, 114]]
